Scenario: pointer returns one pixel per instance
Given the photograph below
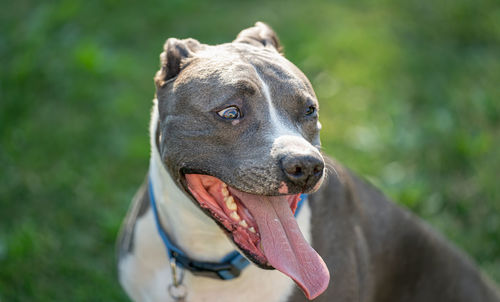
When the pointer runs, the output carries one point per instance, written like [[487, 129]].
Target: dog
[[236, 169]]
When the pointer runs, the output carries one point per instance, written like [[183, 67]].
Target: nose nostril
[[294, 170], [298, 170]]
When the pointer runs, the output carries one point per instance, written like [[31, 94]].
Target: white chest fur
[[145, 273]]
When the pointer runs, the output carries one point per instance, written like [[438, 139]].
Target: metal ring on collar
[[178, 293]]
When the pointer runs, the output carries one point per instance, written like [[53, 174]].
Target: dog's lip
[[232, 229], [210, 194], [260, 260], [238, 233]]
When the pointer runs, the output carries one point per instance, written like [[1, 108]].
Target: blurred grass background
[[409, 94]]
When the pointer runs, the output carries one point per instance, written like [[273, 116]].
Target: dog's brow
[[245, 87]]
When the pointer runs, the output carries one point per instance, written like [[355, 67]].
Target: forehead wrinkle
[[245, 87]]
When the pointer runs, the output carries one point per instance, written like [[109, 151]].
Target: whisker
[[330, 166]]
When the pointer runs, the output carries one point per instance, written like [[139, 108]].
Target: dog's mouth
[[264, 228]]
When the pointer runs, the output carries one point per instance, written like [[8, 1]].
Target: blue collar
[[228, 268]]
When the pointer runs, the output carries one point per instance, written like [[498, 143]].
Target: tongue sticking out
[[284, 245]]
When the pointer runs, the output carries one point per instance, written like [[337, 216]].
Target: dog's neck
[[189, 228]]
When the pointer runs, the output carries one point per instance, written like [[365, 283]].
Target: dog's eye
[[311, 110], [230, 113]]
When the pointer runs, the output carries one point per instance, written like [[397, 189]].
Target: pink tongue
[[284, 245]]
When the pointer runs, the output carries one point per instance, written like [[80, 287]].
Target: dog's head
[[239, 132]]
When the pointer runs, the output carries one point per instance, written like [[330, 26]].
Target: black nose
[[303, 171]]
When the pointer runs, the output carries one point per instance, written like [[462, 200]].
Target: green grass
[[409, 94]]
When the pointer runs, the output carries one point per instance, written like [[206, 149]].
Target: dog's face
[[239, 132]]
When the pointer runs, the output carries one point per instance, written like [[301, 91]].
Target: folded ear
[[175, 51], [261, 35]]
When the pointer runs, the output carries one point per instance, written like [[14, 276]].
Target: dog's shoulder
[[139, 206]]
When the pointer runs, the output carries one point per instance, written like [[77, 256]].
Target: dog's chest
[[145, 273]]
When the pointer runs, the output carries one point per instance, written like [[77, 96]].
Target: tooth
[[230, 204], [224, 185], [243, 223], [234, 216], [251, 229], [225, 192]]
